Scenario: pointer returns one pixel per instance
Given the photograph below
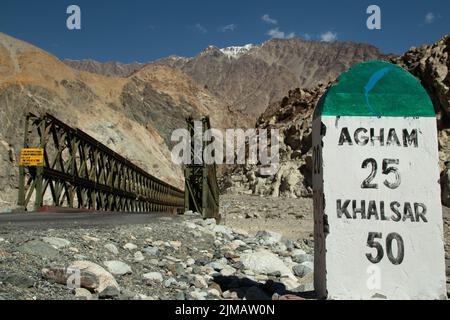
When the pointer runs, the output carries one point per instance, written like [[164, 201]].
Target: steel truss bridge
[[79, 172]]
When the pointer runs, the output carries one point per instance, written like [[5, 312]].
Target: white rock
[[223, 230], [237, 243], [112, 248], [199, 282], [261, 278], [153, 251], [190, 262], [153, 276], [190, 225], [228, 271], [182, 285], [218, 264], [118, 268], [308, 264], [198, 295], [57, 243], [83, 293], [175, 244], [240, 232], [138, 256], [230, 295], [192, 214], [265, 262], [130, 246], [214, 292], [249, 272], [103, 277], [289, 283], [303, 269], [297, 252], [280, 247], [268, 237], [170, 282], [208, 222], [173, 259], [208, 270], [88, 238]]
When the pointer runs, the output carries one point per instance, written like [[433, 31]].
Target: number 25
[[388, 168]]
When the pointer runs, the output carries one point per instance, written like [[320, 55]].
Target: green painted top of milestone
[[376, 89]]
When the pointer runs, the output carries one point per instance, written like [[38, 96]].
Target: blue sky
[[136, 30]]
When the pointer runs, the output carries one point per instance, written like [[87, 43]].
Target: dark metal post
[[21, 197], [40, 170]]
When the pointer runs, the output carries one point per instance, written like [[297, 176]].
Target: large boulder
[[118, 268], [265, 262], [40, 249], [57, 243], [91, 276]]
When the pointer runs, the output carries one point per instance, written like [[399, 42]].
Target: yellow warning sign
[[32, 157]]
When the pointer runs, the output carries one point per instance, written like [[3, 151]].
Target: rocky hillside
[[293, 116], [130, 115], [431, 65], [162, 97], [111, 68]]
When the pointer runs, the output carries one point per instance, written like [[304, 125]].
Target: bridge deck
[[58, 220]]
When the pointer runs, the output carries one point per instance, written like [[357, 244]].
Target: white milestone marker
[[377, 210]]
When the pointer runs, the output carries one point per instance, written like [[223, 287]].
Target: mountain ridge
[[250, 77]]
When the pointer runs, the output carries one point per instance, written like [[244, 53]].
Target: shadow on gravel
[[252, 290]]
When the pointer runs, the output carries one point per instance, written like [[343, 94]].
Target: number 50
[[380, 252]]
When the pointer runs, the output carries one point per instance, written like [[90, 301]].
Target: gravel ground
[[170, 257], [293, 218]]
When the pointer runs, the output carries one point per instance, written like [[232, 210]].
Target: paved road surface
[[46, 220]]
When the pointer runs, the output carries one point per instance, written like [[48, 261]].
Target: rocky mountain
[[250, 77], [133, 116], [110, 68], [293, 117], [431, 65]]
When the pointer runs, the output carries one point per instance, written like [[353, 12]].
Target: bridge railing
[[80, 172], [201, 187]]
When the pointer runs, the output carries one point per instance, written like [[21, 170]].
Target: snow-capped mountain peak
[[235, 51]]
